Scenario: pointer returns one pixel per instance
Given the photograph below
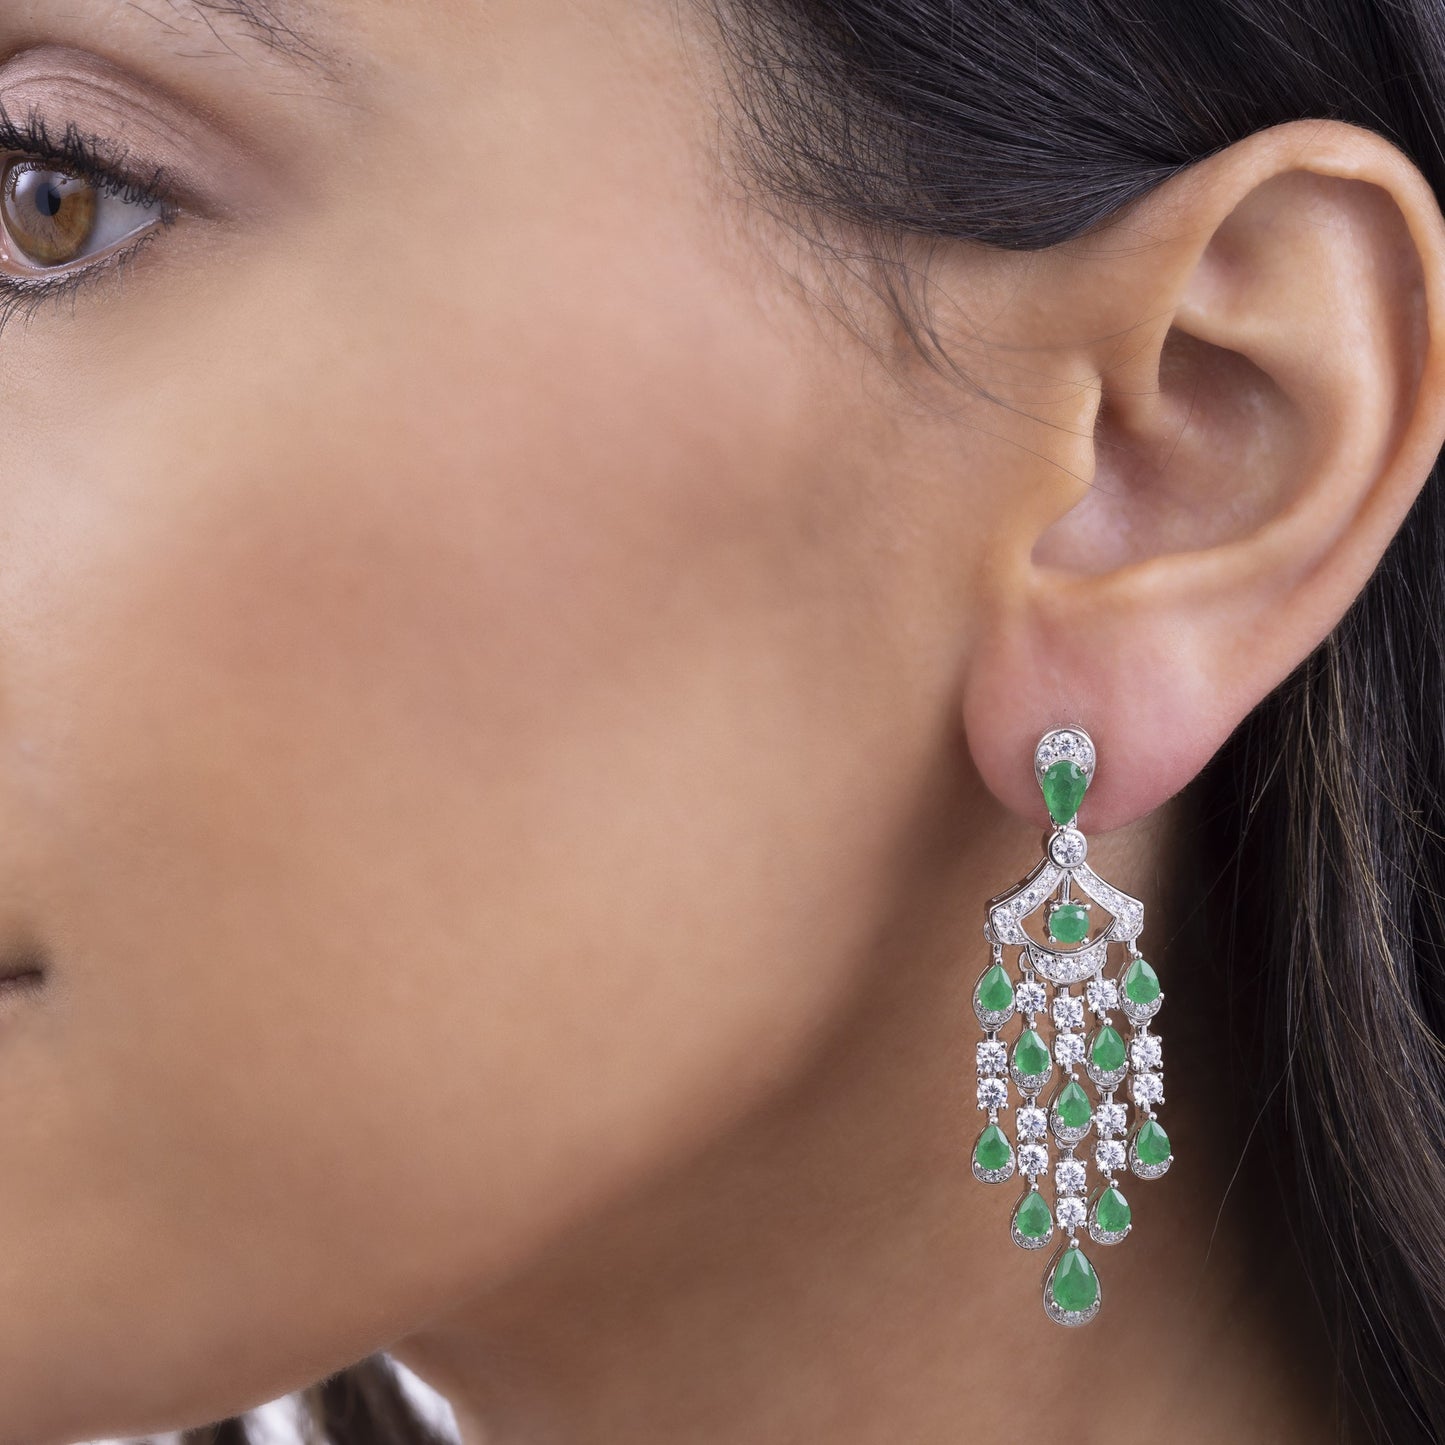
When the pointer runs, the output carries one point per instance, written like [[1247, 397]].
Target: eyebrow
[[275, 23]]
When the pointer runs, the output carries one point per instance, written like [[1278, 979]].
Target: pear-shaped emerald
[[1111, 1212], [1031, 1054], [1106, 1049], [1032, 1218], [1063, 784], [992, 1150], [1151, 1143], [1074, 1285], [1141, 983], [1073, 1106], [995, 992], [1068, 923]]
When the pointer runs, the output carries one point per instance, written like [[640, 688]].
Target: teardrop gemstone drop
[[1106, 1051], [1074, 1285], [1111, 1212], [1031, 1054], [1064, 783], [1151, 1143], [1032, 1218], [995, 992], [1073, 1106], [1141, 983], [992, 1150]]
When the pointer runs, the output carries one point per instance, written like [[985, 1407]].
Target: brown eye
[[49, 217]]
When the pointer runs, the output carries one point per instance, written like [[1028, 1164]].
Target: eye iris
[[49, 216]]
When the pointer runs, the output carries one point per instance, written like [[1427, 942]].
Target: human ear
[[1264, 335]]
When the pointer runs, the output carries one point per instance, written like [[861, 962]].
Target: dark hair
[[364, 1405], [1022, 124]]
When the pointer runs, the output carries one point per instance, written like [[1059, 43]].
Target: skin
[[517, 685]]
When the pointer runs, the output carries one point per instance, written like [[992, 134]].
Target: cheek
[[454, 789]]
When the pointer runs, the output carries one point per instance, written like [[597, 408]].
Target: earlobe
[[1267, 331]]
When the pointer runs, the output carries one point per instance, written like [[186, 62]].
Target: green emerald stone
[[1074, 1285], [992, 1150], [995, 992], [1073, 1106], [1031, 1054], [1151, 1143], [1068, 923], [1032, 1218], [1141, 983], [1107, 1049], [1112, 1213], [1063, 784]]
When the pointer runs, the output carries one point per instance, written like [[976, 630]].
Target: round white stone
[[1070, 1212]]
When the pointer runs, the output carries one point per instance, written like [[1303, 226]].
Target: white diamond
[[992, 1093], [1029, 996], [1109, 1154], [1069, 1212], [1064, 744], [1109, 1120], [1069, 1049], [1145, 1052], [1032, 1121], [1069, 1175], [1068, 1012], [991, 1057], [1068, 847], [1147, 1089], [1033, 1158], [1103, 994]]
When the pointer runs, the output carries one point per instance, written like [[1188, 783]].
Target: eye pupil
[[48, 216]]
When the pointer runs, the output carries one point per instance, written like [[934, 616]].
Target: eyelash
[[102, 163]]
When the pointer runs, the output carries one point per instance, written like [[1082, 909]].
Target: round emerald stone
[[1068, 923], [1107, 1049], [992, 1150], [1112, 1213], [1073, 1106], [1074, 1285], [1032, 1218], [995, 992], [1063, 784], [1031, 1054], [1151, 1143], [1141, 983]]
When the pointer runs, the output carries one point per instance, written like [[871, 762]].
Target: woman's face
[[464, 687]]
